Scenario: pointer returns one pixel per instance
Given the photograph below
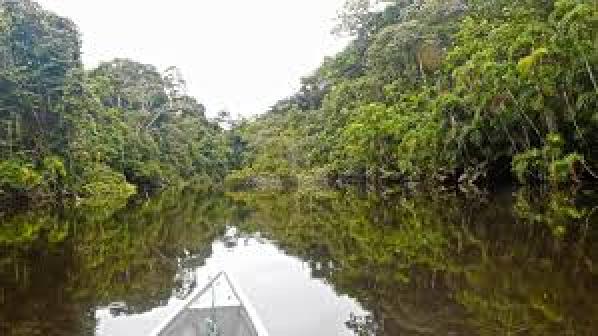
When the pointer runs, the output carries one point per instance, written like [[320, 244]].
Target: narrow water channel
[[312, 263]]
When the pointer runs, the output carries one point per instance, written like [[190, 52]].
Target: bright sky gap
[[241, 56]]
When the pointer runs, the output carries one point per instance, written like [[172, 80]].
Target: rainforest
[[442, 92], [437, 92], [437, 176]]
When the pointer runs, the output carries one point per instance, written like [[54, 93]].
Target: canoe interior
[[230, 321], [217, 310]]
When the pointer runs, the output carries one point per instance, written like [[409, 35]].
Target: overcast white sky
[[239, 55]]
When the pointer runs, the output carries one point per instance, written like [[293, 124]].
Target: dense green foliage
[[465, 91], [453, 91], [92, 133], [460, 91]]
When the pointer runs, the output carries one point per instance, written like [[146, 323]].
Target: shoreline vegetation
[[445, 93], [493, 100], [96, 136]]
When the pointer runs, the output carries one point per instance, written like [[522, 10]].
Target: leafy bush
[[101, 187], [19, 175], [548, 163]]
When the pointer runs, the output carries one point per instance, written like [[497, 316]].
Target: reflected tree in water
[[420, 264], [57, 271], [428, 265]]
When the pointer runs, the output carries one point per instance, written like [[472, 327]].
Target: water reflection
[[51, 283], [435, 265], [280, 287], [520, 263]]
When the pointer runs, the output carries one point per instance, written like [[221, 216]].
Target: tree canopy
[[119, 127], [461, 91]]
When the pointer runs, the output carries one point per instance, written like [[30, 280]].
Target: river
[[313, 262]]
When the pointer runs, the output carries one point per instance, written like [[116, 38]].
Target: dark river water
[[311, 262]]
